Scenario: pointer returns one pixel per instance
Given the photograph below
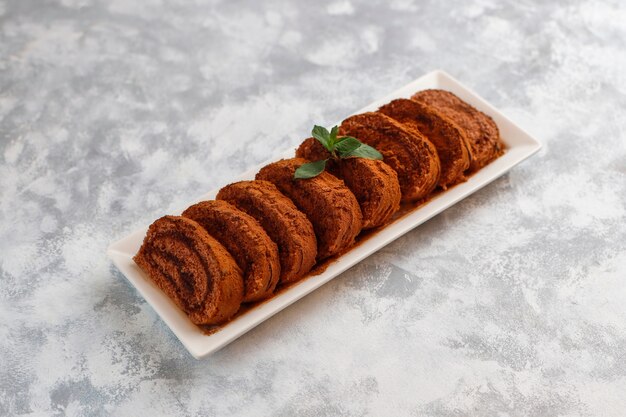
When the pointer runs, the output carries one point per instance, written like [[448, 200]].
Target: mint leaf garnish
[[346, 145], [364, 151], [333, 135], [321, 134], [339, 148], [310, 169]]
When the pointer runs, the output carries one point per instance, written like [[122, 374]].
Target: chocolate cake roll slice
[[374, 183], [327, 202], [404, 149], [192, 268], [282, 221], [481, 131], [253, 250], [448, 138]]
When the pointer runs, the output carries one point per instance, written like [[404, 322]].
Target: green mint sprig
[[339, 148]]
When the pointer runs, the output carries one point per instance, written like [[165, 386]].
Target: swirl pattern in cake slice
[[374, 183], [246, 240], [192, 268], [405, 150], [283, 222], [481, 131], [327, 202], [449, 140]]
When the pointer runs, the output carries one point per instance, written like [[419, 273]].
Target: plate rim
[[203, 345]]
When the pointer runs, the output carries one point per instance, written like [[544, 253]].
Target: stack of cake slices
[[270, 232]]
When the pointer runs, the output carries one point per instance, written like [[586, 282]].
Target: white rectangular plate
[[520, 145]]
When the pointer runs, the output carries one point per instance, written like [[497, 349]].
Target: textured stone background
[[112, 113]]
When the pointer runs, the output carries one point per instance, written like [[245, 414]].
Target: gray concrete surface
[[112, 113]]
